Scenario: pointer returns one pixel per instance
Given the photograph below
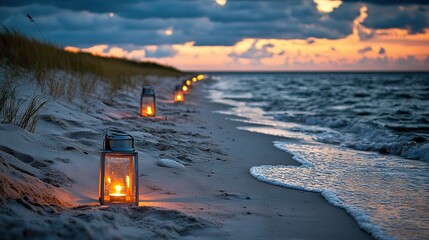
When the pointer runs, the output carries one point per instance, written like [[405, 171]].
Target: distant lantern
[[118, 181], [200, 77], [147, 102], [178, 94], [185, 89], [194, 79], [188, 83]]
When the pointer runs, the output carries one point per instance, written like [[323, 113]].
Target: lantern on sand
[[188, 82], [178, 94], [185, 89], [200, 77], [147, 102], [194, 79], [118, 181]]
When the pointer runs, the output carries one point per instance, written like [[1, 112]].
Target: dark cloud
[[311, 41], [411, 17], [390, 2], [143, 22], [365, 50]]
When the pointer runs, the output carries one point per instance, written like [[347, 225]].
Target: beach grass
[[60, 73], [23, 113], [44, 60]]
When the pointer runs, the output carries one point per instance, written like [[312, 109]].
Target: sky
[[235, 35]]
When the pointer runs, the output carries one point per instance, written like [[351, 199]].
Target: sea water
[[362, 140]]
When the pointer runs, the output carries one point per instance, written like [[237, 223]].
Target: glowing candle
[[200, 77], [188, 82], [194, 79], [185, 88], [149, 111], [117, 196]]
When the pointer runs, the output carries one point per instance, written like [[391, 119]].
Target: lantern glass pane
[[147, 107], [119, 183]]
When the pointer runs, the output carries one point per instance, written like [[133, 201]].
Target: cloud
[[414, 18], [253, 52], [390, 2], [311, 41], [365, 50], [410, 60], [382, 51], [161, 51], [143, 22]]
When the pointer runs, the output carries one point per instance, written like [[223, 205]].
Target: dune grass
[[44, 59], [22, 113], [60, 74]]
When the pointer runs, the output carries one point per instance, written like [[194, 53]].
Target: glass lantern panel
[[147, 107], [119, 185]]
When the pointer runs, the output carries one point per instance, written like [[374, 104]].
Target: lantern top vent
[[118, 141], [148, 91]]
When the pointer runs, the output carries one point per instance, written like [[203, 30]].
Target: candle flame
[[149, 111], [109, 180], [185, 88], [178, 97], [118, 189]]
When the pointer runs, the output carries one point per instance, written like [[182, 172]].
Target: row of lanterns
[[118, 176], [184, 88]]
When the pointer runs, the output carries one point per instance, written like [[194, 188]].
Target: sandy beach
[[49, 178]]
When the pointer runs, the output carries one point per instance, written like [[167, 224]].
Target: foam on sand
[[388, 198], [170, 163]]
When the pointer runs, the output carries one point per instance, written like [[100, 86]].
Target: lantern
[[200, 77], [147, 102], [118, 181], [194, 79], [178, 94], [188, 82], [185, 89]]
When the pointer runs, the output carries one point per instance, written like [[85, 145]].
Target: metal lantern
[[118, 181], [147, 102], [178, 94]]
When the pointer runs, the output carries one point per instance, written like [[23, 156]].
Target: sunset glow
[[385, 50]]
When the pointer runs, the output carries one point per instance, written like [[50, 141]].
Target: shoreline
[[260, 209]]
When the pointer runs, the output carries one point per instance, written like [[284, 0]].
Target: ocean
[[362, 140]]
